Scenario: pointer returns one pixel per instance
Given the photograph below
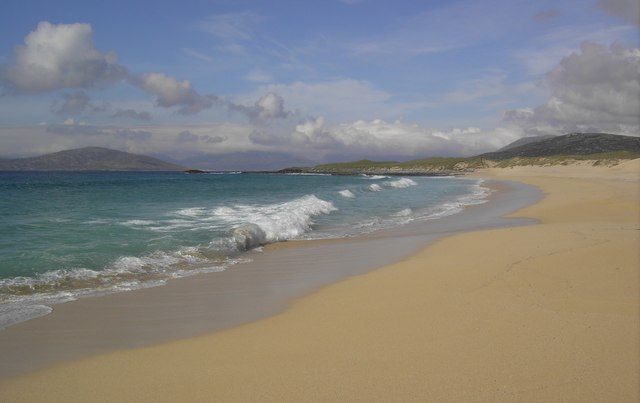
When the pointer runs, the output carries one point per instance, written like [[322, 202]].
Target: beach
[[541, 312]]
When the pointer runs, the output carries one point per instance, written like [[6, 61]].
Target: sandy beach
[[545, 312]]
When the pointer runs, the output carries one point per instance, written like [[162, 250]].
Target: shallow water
[[71, 235]]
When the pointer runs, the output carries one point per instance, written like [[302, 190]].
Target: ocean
[[69, 235]]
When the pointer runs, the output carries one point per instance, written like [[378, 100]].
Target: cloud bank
[[595, 89]]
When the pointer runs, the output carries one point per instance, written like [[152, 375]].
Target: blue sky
[[314, 80]]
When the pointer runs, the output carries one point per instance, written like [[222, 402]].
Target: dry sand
[[548, 312]]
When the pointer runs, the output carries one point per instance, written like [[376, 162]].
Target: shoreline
[[542, 312], [247, 292]]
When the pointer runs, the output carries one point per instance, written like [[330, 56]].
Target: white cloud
[[271, 106], [64, 56], [315, 139], [560, 42], [378, 137], [313, 132], [595, 89], [268, 107], [60, 56], [171, 92]]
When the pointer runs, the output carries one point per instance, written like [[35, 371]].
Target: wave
[[127, 272], [11, 314], [374, 177], [23, 298], [191, 212], [403, 213], [400, 183], [395, 184], [259, 225], [478, 195], [139, 223], [346, 194]]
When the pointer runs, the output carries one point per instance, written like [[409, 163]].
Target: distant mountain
[[526, 140], [569, 144], [89, 159]]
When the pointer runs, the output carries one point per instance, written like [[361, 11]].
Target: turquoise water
[[69, 235]]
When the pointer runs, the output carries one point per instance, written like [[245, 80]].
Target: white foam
[[374, 177], [374, 187], [400, 183], [135, 223], [249, 236], [479, 195], [98, 221], [11, 314], [404, 213], [257, 225], [24, 298], [346, 194], [191, 212]]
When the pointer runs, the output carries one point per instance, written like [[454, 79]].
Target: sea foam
[[346, 194], [400, 183], [259, 225]]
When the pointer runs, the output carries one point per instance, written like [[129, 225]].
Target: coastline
[[527, 313], [265, 286]]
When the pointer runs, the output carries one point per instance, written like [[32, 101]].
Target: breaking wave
[[346, 194], [259, 225], [400, 183]]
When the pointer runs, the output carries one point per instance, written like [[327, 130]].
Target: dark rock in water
[[196, 171]]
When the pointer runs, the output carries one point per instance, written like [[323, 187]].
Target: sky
[[260, 84]]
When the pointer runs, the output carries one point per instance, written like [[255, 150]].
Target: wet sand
[[545, 312]]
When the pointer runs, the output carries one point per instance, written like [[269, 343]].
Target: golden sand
[[548, 312]]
